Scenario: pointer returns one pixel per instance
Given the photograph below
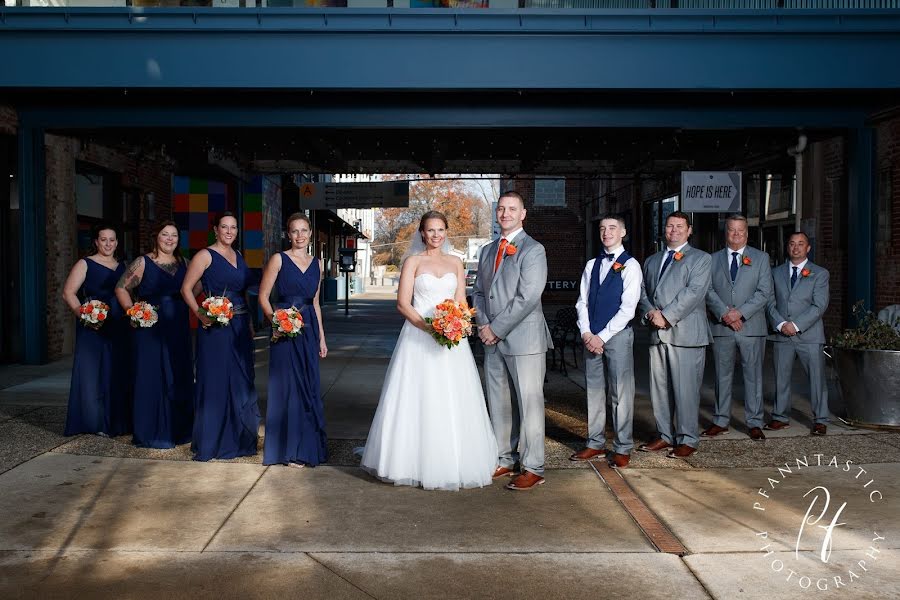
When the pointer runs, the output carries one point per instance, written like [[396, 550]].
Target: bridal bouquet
[[286, 322], [142, 314], [451, 322], [93, 313], [219, 309]]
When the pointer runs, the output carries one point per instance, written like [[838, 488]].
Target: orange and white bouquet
[[93, 314], [219, 309], [142, 315], [286, 322], [451, 322]]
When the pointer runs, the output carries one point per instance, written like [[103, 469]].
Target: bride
[[431, 428]]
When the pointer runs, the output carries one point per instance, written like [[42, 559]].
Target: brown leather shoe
[[757, 434], [503, 472], [655, 446], [620, 461], [713, 431], [776, 425], [681, 451], [525, 481], [819, 429], [587, 454]]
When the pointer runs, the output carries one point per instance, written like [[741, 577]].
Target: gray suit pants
[[517, 417], [752, 350], [813, 361], [676, 373], [615, 368]]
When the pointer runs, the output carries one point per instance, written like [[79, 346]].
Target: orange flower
[[147, 314], [746, 260], [286, 325], [806, 272], [86, 309], [618, 267], [101, 316], [511, 249], [678, 255]]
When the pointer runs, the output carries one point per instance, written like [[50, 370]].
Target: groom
[[512, 273]]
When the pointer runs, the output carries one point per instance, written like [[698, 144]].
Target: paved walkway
[[89, 517]]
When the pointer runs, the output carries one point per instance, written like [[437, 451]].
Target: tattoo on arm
[[130, 279]]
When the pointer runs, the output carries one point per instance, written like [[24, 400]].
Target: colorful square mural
[[195, 202]]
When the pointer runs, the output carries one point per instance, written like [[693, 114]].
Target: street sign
[[374, 194], [711, 191]]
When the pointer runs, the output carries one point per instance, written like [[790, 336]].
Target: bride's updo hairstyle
[[431, 214]]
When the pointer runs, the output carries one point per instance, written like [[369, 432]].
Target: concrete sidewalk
[[91, 517]]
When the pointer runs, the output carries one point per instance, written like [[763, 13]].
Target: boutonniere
[[511, 249], [678, 255], [618, 267], [747, 262], [805, 273]]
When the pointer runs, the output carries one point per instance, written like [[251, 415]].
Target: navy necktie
[[734, 266], [667, 263], [794, 277]]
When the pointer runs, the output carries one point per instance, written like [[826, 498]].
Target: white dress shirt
[[631, 294], [790, 268]]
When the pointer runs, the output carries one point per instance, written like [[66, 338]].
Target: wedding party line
[[137, 369]]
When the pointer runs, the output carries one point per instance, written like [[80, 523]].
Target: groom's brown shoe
[[655, 446], [587, 454], [503, 472], [619, 461], [526, 481]]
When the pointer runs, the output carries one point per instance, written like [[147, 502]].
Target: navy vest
[[604, 299]]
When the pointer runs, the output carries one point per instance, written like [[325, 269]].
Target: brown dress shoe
[[776, 425], [819, 429], [620, 461], [586, 454], [525, 481], [681, 451], [655, 446], [714, 430], [756, 434], [503, 472]]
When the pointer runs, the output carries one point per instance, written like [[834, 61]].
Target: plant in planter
[[867, 361]]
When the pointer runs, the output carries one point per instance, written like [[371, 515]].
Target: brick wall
[[887, 273], [9, 120], [831, 234]]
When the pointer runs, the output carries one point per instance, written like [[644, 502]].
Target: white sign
[[711, 191], [373, 194]]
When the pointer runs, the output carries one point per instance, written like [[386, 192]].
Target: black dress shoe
[[757, 434]]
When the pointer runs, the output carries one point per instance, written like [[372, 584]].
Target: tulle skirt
[[431, 428]]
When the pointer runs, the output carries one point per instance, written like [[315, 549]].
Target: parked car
[[470, 277]]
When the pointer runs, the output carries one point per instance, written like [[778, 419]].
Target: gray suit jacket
[[804, 305], [510, 300], [750, 292], [681, 296]]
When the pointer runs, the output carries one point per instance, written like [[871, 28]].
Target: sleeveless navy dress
[[226, 412], [295, 423], [163, 363], [100, 392]]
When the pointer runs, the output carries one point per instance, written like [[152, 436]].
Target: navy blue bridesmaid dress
[[226, 412], [163, 363], [100, 392], [295, 423]]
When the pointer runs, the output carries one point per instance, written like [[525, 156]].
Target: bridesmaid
[[226, 413], [163, 365], [295, 424], [100, 393]]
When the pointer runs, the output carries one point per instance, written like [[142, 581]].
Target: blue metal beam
[[445, 116], [861, 219], [32, 249], [393, 49]]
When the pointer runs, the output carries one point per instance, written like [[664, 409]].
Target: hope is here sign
[[711, 191]]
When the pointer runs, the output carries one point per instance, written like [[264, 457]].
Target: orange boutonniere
[[618, 267], [805, 272], [511, 249], [678, 255], [747, 262]]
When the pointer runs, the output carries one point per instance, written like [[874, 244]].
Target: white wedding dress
[[431, 428]]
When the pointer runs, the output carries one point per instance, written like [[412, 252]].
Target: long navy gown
[[295, 424], [163, 365], [100, 392], [226, 412]]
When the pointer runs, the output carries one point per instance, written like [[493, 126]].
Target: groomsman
[[795, 314], [737, 299], [673, 305], [610, 292]]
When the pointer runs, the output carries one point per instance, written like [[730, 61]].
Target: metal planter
[[870, 385]]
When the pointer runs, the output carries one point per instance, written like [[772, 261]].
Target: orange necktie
[[500, 252]]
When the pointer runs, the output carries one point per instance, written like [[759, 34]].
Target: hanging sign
[[711, 191]]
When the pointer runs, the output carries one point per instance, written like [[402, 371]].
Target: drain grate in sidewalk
[[658, 534]]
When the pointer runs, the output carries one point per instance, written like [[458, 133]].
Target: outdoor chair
[[564, 332]]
